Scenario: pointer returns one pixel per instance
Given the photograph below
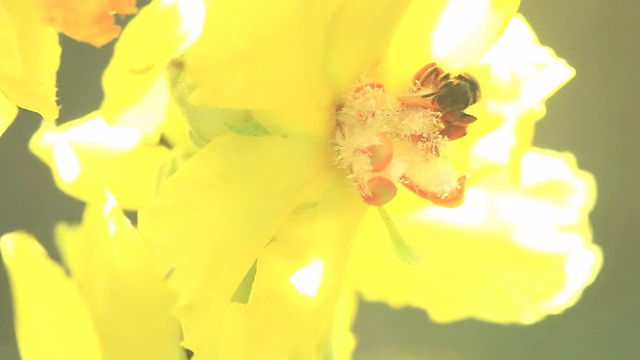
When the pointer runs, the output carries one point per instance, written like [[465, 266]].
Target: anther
[[381, 189]]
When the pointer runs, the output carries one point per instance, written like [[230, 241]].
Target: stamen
[[405, 252], [382, 139], [380, 154], [380, 191], [452, 196]]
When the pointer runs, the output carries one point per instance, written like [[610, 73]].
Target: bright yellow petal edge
[[454, 33], [87, 157], [8, 112], [52, 320], [160, 32], [509, 254], [127, 298], [115, 305], [520, 74]]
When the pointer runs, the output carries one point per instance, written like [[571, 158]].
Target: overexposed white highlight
[[308, 278]]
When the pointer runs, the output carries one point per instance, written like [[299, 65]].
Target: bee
[[439, 91]]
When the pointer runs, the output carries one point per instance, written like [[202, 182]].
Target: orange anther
[[382, 191], [381, 154], [451, 199]]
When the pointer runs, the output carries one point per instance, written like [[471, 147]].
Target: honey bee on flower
[[436, 90], [382, 140]]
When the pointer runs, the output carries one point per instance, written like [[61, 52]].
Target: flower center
[[382, 140]]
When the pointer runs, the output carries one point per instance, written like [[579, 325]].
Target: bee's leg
[[455, 124]]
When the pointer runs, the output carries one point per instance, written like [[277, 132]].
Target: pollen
[[384, 139]]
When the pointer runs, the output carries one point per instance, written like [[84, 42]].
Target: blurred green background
[[594, 116]]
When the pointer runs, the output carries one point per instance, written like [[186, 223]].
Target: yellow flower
[[265, 240], [267, 243], [113, 306]]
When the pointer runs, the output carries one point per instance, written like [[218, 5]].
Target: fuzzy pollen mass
[[382, 140]]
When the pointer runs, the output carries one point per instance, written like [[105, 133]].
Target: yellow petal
[[129, 303], [214, 216], [261, 55], [160, 32], [518, 75], [87, 157], [357, 36], [147, 115], [30, 57], [91, 21], [466, 29], [8, 113], [343, 341], [52, 321], [509, 254], [297, 289], [454, 33], [313, 122]]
